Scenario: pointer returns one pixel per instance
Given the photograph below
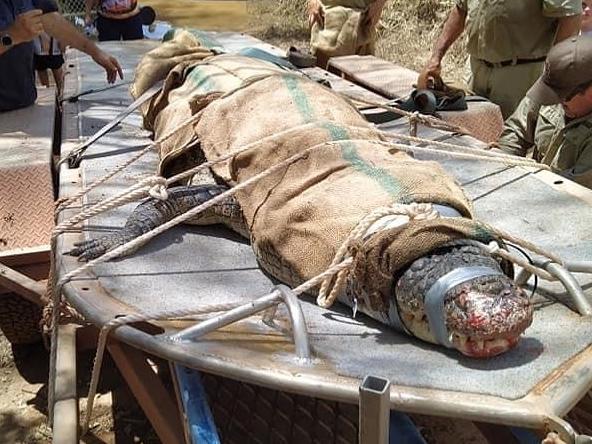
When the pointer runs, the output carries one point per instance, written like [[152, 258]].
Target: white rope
[[156, 187], [413, 211], [455, 147], [164, 315], [62, 204], [426, 120], [485, 156]]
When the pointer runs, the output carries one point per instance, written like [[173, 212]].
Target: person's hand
[[315, 13], [26, 26], [429, 74], [88, 20], [553, 438], [110, 64]]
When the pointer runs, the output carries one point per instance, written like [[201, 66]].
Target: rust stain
[[561, 371]]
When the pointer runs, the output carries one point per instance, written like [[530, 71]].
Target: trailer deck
[[188, 267]]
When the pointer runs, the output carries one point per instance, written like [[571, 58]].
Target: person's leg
[[58, 77], [402, 430], [509, 85], [131, 28], [43, 77], [40, 69], [108, 29], [478, 79]]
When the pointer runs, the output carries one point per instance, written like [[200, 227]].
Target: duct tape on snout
[[434, 298]]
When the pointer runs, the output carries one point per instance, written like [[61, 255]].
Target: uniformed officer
[[555, 117], [343, 27], [507, 43]]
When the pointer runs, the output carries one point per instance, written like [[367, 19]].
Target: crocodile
[[456, 294]]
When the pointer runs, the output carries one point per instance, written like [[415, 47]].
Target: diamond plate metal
[[246, 413], [26, 207], [26, 187]]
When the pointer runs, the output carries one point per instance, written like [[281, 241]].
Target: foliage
[[407, 30]]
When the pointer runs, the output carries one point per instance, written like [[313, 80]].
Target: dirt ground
[[117, 419]]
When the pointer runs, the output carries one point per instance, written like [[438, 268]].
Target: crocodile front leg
[[153, 212]]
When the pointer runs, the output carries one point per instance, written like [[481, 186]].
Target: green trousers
[[505, 85]]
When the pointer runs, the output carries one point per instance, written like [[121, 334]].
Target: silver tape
[[434, 298]]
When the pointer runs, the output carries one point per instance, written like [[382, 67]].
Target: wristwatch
[[5, 40]]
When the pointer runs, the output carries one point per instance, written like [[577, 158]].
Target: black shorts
[[43, 62], [123, 29]]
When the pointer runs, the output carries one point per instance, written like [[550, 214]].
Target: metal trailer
[[26, 215], [533, 386]]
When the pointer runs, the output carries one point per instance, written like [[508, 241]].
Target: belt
[[512, 62]]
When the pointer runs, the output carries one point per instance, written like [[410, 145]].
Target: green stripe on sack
[[202, 80], [482, 233], [337, 133]]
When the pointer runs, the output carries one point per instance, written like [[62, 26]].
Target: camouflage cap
[[568, 70]]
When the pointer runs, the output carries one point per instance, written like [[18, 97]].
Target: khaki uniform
[[510, 32], [565, 147], [343, 32]]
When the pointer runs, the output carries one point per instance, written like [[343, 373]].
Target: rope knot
[[158, 190], [336, 274], [421, 211], [493, 247]]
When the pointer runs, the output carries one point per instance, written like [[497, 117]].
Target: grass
[[406, 33]]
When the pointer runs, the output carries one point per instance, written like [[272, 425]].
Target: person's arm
[[374, 12], [88, 7], [315, 13], [453, 28], [61, 29], [568, 14], [581, 172], [567, 27], [25, 28], [518, 134]]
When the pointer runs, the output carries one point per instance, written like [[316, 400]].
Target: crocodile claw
[[93, 248]]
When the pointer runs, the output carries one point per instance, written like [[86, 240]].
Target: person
[[20, 22], [587, 17], [342, 27], [116, 19], [508, 41], [48, 56], [555, 117]]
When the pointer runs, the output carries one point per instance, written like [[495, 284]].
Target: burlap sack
[[344, 31], [191, 87], [299, 216], [156, 65], [379, 261]]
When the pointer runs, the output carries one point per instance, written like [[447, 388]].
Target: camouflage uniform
[[510, 33], [343, 32], [565, 146]]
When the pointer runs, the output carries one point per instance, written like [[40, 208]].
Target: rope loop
[[413, 211], [159, 188]]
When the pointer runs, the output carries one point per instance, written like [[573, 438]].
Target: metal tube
[[572, 286], [236, 314], [522, 277], [65, 409], [563, 274], [374, 410], [579, 266], [298, 323]]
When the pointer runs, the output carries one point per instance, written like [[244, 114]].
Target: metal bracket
[[565, 431], [280, 294], [565, 276]]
